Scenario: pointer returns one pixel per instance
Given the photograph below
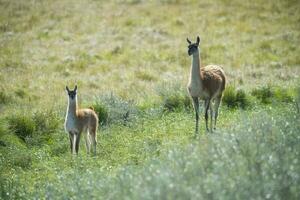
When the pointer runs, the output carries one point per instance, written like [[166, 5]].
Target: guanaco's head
[[72, 93], [193, 47]]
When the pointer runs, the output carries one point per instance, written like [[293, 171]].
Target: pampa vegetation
[[129, 59], [255, 148]]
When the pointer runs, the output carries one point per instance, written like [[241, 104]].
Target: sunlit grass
[[129, 60]]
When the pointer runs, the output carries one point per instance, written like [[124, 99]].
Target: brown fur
[[87, 118], [213, 79]]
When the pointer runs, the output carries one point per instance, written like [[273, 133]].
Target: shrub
[[174, 97], [242, 99], [264, 94], [22, 125], [36, 128], [236, 98], [268, 94], [173, 102], [229, 97], [113, 109], [46, 123], [102, 112]]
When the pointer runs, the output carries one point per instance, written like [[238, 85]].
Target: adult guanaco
[[205, 83], [78, 121]]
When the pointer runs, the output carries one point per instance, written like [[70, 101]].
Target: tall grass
[[257, 158], [145, 145]]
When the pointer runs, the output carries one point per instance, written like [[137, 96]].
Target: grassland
[[131, 57]]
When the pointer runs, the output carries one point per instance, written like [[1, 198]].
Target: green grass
[[129, 60], [255, 150]]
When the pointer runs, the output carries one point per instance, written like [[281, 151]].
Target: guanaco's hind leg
[[216, 109], [77, 140], [93, 137], [211, 116], [87, 142], [206, 105]]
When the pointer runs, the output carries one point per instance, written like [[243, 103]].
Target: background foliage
[[129, 60]]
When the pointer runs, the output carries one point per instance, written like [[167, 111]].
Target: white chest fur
[[194, 88], [70, 123], [70, 120]]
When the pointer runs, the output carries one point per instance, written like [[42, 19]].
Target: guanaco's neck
[[72, 107], [195, 69]]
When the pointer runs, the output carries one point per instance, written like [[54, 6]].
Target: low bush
[[46, 123], [174, 98], [264, 94], [242, 99], [102, 112], [34, 128], [229, 97], [268, 94], [112, 109], [22, 125], [236, 98]]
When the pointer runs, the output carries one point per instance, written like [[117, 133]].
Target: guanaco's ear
[[198, 40], [187, 39], [68, 90], [75, 89]]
